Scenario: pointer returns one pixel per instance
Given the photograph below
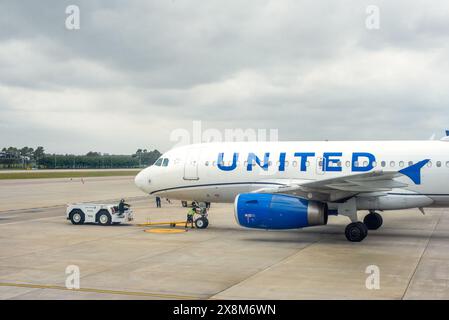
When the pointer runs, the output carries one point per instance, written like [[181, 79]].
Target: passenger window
[[206, 163], [294, 163], [429, 164], [392, 163], [286, 163], [165, 163], [438, 164], [401, 164], [383, 164], [158, 162], [447, 164], [348, 164], [410, 163]]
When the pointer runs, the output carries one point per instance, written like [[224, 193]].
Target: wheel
[[373, 221], [201, 223], [104, 218], [77, 217], [356, 231]]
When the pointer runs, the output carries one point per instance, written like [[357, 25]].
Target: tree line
[[27, 158]]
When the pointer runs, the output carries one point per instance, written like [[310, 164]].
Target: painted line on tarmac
[[27, 221], [64, 205], [103, 291]]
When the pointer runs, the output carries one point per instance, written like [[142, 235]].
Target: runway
[[224, 261]]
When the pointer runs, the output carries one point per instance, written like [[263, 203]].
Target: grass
[[65, 174]]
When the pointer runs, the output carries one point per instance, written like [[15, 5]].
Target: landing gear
[[373, 220], [356, 231], [201, 223]]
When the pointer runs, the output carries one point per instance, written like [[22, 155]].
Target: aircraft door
[[191, 164]]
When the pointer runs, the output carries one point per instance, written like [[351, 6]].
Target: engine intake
[[278, 211]]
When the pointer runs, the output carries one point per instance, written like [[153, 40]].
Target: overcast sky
[[137, 70]]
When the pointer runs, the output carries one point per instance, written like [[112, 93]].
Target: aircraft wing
[[344, 187]]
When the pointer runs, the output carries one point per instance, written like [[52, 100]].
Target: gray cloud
[[311, 70]]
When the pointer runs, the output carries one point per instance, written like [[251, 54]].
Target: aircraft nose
[[140, 180]]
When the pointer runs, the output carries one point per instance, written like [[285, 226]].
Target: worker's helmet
[[122, 200]]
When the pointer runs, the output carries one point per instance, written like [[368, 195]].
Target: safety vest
[[191, 212]]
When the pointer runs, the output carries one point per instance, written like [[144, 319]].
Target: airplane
[[298, 184]]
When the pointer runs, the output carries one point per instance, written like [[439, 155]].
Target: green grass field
[[64, 174]]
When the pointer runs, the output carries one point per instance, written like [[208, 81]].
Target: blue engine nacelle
[[278, 211]]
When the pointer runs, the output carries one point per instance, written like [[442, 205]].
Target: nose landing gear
[[202, 222]]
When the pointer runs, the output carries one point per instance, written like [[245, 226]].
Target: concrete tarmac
[[225, 261]]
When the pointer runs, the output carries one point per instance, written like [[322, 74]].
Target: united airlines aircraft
[[288, 185]]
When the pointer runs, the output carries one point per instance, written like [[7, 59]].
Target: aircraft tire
[[373, 221], [356, 231], [201, 223]]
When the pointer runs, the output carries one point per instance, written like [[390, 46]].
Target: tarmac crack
[[421, 256]]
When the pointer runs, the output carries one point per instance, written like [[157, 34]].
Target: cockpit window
[[158, 162], [165, 163]]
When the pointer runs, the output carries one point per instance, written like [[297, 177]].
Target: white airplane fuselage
[[218, 172]]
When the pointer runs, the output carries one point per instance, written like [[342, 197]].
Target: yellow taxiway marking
[[160, 223], [154, 230], [105, 291]]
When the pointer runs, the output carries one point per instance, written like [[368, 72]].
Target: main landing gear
[[373, 220], [357, 231]]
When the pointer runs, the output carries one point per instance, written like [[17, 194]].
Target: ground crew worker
[[122, 206], [158, 202], [190, 215]]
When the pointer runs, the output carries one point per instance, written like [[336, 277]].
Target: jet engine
[[278, 211]]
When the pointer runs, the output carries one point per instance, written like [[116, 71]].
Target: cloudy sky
[[136, 71]]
